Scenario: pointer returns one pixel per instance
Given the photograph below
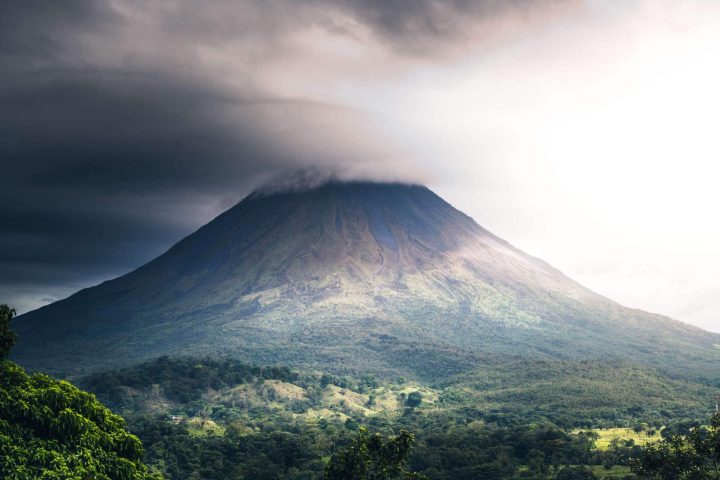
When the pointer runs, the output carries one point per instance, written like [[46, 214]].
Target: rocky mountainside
[[357, 276]]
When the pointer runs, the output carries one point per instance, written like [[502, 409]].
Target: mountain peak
[[314, 178], [297, 181], [315, 271]]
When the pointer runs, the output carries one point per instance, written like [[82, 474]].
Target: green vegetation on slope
[[581, 393], [52, 430], [691, 455], [222, 418], [448, 447], [610, 436], [215, 418], [564, 393], [371, 457], [225, 390]]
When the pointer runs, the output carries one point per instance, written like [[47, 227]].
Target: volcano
[[350, 276]]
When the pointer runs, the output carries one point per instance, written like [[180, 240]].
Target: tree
[[7, 336], [371, 457], [51, 429], [575, 473], [694, 454], [681, 428], [414, 399]]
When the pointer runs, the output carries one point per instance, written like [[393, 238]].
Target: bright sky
[[591, 143], [595, 148]]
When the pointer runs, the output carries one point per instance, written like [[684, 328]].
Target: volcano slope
[[355, 277]]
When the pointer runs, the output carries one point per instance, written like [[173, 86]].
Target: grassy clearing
[[607, 435], [201, 427], [314, 415], [386, 399]]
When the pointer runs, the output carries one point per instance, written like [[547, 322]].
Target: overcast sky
[[584, 132]]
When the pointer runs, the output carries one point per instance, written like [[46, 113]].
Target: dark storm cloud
[[125, 125], [100, 177], [428, 27]]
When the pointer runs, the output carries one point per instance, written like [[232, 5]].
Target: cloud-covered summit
[[126, 124]]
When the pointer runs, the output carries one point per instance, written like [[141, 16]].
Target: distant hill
[[352, 277], [212, 418], [566, 393]]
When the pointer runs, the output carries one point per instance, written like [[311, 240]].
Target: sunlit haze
[[591, 145]]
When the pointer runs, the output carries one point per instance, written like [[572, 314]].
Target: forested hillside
[[222, 418]]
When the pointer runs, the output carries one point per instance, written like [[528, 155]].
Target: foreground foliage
[[371, 457], [52, 430], [7, 336], [693, 454]]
